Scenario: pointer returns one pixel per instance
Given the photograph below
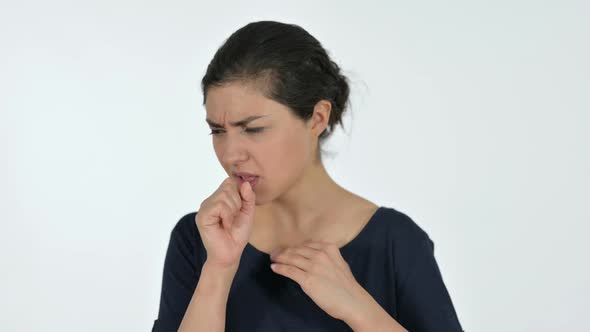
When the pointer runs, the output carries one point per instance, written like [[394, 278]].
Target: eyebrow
[[237, 123]]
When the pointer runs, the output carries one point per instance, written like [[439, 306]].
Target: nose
[[233, 150]]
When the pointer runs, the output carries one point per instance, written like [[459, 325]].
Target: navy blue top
[[392, 258]]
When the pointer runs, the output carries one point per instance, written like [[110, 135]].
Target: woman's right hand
[[224, 221]]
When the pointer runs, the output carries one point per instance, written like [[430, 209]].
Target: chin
[[260, 201]]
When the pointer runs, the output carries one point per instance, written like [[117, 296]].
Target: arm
[[370, 316], [207, 308], [192, 290], [423, 301]]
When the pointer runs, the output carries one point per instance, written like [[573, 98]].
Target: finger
[[317, 245], [222, 191], [248, 198], [234, 185], [305, 251], [227, 216], [293, 259], [228, 183], [225, 203], [291, 272], [234, 197], [332, 250]]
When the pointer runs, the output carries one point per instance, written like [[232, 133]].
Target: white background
[[472, 117]]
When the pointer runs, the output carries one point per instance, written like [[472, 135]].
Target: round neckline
[[345, 247]]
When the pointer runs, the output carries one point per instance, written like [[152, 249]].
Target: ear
[[321, 116]]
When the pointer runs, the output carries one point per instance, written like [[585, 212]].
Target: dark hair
[[286, 64]]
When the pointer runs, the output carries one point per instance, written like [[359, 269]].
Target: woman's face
[[276, 146]]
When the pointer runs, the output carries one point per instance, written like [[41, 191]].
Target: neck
[[303, 205]]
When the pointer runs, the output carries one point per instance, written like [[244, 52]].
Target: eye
[[214, 132], [248, 130], [254, 130]]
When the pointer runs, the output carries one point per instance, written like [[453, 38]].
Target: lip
[[245, 174], [240, 180]]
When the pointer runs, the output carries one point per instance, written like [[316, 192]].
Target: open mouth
[[252, 179]]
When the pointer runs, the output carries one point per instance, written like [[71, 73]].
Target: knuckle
[[229, 183], [203, 204], [222, 205], [225, 195], [228, 192]]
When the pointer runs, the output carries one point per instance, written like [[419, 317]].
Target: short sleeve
[[423, 301], [182, 267]]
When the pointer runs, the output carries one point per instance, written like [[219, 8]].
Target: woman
[[272, 96]]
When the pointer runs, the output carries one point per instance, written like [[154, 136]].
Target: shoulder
[[404, 233], [409, 245], [401, 221], [185, 226], [397, 225], [185, 233]]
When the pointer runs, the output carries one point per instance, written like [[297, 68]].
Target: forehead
[[236, 100]]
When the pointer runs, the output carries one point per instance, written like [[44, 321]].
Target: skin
[[292, 180]]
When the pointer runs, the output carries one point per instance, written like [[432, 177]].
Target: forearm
[[207, 308]]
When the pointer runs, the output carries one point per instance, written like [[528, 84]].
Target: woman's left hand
[[323, 274]]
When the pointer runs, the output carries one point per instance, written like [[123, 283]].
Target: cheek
[[287, 155], [216, 148]]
